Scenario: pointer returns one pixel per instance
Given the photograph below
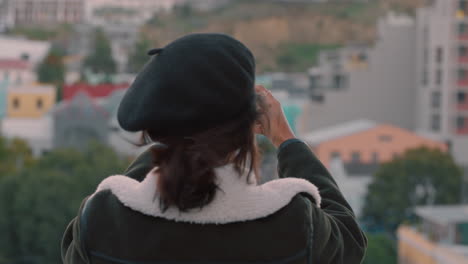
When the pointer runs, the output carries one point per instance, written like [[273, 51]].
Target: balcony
[[463, 59], [463, 106], [463, 36], [462, 131], [462, 126], [463, 82]]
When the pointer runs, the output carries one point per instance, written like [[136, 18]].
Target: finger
[[258, 128], [260, 88]]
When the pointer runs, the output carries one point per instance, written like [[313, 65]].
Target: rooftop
[[94, 91], [337, 131], [80, 106], [446, 214], [14, 64], [32, 89]]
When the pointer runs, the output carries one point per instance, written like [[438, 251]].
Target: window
[[425, 78], [439, 55], [362, 57], [460, 122], [332, 56], [461, 74], [462, 4], [375, 157], [425, 73], [462, 28], [355, 157], [385, 138], [39, 103], [426, 56], [16, 103], [435, 99], [425, 37], [335, 155], [435, 122], [462, 51], [314, 81], [339, 81], [439, 76], [461, 97], [25, 56], [19, 79]]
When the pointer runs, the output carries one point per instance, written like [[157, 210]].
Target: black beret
[[194, 83]]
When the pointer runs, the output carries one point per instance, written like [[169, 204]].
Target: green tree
[[299, 57], [100, 59], [138, 57], [421, 176], [52, 70], [41, 200], [15, 155], [183, 11], [381, 249]]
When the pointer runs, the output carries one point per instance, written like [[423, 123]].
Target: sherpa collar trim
[[236, 201]]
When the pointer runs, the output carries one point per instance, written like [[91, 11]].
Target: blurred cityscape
[[377, 88]]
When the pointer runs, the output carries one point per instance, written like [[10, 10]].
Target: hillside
[[283, 36]]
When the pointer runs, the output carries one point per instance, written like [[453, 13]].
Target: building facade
[[30, 101], [363, 82], [37, 132], [365, 142], [16, 72], [442, 70], [48, 12], [3, 99], [24, 114]]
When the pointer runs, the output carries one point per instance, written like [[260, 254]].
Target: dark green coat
[[106, 231]]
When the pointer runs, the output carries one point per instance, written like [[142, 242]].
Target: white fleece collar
[[236, 200]]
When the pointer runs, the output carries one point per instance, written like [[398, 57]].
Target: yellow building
[[442, 237], [30, 101]]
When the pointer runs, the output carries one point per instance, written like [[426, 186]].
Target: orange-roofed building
[[366, 142], [353, 152]]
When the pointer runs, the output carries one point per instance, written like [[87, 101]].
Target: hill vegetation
[[283, 36]]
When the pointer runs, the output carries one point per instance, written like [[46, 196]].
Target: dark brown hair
[[186, 165]]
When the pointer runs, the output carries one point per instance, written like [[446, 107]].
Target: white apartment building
[[442, 74], [44, 11], [99, 12], [30, 51]]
